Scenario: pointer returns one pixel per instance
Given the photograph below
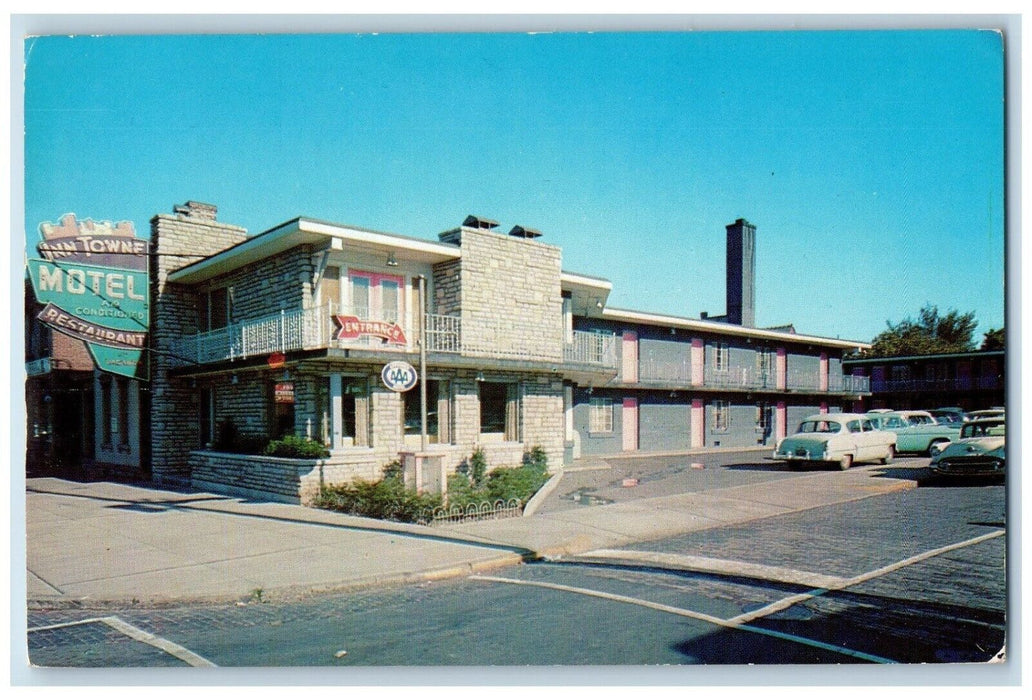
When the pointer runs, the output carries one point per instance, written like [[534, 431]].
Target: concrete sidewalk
[[101, 543]]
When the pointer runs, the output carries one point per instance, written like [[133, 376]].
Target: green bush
[[477, 467], [387, 499], [293, 446], [502, 484]]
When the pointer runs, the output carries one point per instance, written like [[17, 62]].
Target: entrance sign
[[351, 327], [399, 376], [93, 282]]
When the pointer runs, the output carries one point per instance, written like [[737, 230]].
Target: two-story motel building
[[287, 332]]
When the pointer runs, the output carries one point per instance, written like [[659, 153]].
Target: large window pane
[[493, 402]]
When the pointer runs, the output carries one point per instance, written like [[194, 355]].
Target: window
[[499, 411], [213, 310], [376, 297], [853, 426], [436, 411], [764, 417], [207, 416], [721, 357], [123, 411], [343, 410], [329, 288], [282, 409], [765, 362], [721, 416], [106, 426], [600, 419], [819, 426]]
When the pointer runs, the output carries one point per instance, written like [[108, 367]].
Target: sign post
[[422, 363]]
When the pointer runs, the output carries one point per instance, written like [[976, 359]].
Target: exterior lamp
[[391, 260]]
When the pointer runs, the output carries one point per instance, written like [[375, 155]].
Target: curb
[[282, 594], [542, 495]]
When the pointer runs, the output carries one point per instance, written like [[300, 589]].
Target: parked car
[[949, 416], [916, 431], [980, 450], [988, 413], [841, 438]]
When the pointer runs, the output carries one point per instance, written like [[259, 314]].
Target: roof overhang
[[587, 294], [322, 234], [728, 329]]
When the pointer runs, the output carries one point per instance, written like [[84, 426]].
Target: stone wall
[[179, 239], [282, 282], [510, 294]]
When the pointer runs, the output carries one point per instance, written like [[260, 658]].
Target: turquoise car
[[916, 431]]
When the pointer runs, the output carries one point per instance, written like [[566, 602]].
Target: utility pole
[[422, 363]]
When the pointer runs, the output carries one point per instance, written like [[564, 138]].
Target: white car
[[841, 438], [980, 451]]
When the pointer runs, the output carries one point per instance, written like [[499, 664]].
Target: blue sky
[[870, 162]]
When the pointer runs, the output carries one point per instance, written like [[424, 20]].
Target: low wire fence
[[474, 512]]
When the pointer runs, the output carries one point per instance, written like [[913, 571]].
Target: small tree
[[930, 334], [995, 339]]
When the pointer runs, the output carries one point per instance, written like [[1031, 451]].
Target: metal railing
[[678, 371], [954, 384], [314, 328], [739, 378], [589, 348]]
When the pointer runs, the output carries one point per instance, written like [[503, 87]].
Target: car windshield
[[983, 429], [819, 426]]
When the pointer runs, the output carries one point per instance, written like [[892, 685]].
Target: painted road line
[[703, 617], [785, 603], [707, 565], [180, 652]]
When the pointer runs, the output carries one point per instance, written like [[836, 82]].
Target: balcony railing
[[587, 348], [929, 385], [679, 372], [314, 328]]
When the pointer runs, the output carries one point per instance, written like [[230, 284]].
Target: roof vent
[[524, 232], [479, 222]]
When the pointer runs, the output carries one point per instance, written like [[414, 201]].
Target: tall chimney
[[741, 273]]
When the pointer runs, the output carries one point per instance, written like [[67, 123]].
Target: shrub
[[293, 446], [393, 470], [502, 484], [514, 482], [387, 499], [477, 467]]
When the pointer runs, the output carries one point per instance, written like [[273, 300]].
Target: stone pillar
[[190, 234]]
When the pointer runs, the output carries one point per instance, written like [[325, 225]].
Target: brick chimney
[[741, 273]]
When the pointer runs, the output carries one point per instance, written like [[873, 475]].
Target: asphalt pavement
[[104, 543]]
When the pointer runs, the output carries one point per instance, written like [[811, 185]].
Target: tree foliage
[[995, 339], [929, 334]]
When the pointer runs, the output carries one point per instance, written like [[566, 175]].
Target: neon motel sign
[[93, 281]]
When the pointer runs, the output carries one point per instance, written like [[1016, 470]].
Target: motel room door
[[630, 424]]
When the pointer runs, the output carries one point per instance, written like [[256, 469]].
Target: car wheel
[[846, 462], [889, 455], [936, 447]]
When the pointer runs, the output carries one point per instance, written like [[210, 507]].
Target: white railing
[[739, 378], [304, 329], [443, 333], [850, 384], [677, 371], [588, 348]]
